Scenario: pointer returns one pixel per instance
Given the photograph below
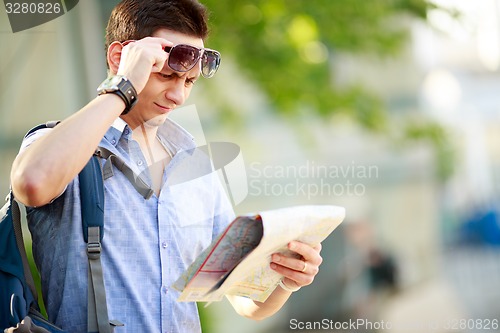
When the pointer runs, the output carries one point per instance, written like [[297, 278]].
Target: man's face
[[166, 89]]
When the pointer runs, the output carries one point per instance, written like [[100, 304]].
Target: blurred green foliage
[[436, 135], [288, 46]]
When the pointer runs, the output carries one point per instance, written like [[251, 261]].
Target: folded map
[[237, 262]]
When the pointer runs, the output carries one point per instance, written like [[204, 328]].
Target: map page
[[237, 262]]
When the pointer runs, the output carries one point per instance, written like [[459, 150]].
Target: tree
[[287, 46]]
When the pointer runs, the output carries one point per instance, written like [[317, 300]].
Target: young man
[[148, 243]]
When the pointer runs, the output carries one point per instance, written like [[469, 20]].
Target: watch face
[[115, 80], [110, 84]]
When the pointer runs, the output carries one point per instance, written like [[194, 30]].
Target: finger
[[318, 247], [299, 278], [161, 55], [160, 42], [151, 48], [307, 252], [158, 52], [295, 264]]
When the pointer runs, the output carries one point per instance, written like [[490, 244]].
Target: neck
[[145, 134], [146, 137], [139, 124]]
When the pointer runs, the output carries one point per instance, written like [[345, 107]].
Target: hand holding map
[[237, 262]]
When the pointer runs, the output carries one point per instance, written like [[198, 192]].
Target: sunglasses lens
[[183, 57], [210, 63]]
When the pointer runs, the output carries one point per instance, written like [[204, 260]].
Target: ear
[[114, 55]]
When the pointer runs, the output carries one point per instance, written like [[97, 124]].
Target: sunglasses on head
[[183, 57]]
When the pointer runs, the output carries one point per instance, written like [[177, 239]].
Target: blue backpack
[[19, 311]]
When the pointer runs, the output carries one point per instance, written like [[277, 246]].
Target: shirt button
[[126, 131], [139, 163], [164, 289], [164, 245], [113, 141]]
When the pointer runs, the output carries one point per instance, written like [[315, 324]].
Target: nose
[[176, 92]]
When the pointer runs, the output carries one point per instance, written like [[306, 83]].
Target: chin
[[157, 120]]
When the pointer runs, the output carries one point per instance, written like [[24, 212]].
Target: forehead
[[178, 38]]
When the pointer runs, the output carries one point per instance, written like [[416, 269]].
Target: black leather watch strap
[[122, 87]]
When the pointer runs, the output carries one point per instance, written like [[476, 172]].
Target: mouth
[[163, 108]]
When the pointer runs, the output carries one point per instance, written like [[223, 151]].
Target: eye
[[165, 76], [189, 82]]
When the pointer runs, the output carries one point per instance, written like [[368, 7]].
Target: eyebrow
[[195, 77]]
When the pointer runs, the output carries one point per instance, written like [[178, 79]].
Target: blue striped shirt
[[147, 243]]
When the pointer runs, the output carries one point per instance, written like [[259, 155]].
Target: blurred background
[[388, 108]]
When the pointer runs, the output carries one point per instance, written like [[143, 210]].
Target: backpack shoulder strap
[[16, 222], [111, 159], [92, 198], [17, 291], [92, 205], [48, 124]]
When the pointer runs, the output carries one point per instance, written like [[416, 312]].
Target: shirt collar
[[171, 134], [119, 124], [174, 137]]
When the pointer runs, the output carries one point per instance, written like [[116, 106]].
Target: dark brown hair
[[136, 19]]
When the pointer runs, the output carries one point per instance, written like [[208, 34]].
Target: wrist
[[113, 101], [120, 86], [287, 288]]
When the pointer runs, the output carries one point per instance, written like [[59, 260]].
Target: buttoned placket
[[164, 233]]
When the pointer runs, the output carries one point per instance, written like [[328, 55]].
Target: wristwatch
[[121, 86]]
